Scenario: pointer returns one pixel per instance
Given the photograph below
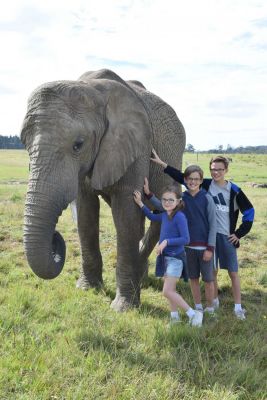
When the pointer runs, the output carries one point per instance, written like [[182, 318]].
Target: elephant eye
[[78, 145]]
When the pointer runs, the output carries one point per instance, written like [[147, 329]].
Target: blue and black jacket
[[238, 202]]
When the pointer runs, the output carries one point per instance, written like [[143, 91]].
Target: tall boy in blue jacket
[[229, 199]]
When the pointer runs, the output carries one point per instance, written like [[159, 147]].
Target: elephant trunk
[[44, 247]]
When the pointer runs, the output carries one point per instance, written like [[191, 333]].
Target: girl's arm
[[151, 197], [156, 203], [182, 226], [145, 210]]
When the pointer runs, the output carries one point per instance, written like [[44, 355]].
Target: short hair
[[193, 168], [221, 159]]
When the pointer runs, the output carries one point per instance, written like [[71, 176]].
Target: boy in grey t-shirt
[[221, 198]]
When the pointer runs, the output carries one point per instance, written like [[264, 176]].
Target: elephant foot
[[85, 284], [121, 303]]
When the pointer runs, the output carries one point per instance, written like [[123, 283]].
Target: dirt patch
[[257, 185]]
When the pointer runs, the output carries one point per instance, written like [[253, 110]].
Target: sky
[[207, 59]]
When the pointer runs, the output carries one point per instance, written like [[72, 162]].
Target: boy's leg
[[238, 310], [228, 260], [209, 293], [215, 283], [207, 273], [216, 302], [195, 289], [193, 256], [235, 286]]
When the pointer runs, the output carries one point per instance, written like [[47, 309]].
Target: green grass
[[244, 168], [58, 342], [14, 166]]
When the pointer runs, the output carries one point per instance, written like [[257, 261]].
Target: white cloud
[[207, 59]]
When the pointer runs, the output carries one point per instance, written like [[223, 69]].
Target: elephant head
[[73, 129]]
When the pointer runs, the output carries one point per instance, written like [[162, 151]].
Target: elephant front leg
[[88, 226], [129, 222]]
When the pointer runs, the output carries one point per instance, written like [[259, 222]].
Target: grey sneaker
[[197, 318], [240, 314], [215, 304]]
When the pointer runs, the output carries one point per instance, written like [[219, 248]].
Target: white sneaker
[[240, 314], [197, 318]]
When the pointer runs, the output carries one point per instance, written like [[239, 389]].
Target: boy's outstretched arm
[[176, 174], [157, 160]]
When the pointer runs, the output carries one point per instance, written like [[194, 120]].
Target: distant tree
[[237, 150], [190, 148], [10, 142], [229, 149]]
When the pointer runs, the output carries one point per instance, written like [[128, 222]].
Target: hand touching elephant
[[87, 138]]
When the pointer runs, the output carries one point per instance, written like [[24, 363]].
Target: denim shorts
[[225, 253], [174, 267]]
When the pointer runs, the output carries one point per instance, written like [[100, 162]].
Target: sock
[[190, 312], [199, 307], [216, 301], [238, 307], [174, 315]]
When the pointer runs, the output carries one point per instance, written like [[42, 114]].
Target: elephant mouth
[[58, 250]]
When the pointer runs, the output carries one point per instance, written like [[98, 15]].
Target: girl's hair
[[175, 190], [193, 168], [221, 159]]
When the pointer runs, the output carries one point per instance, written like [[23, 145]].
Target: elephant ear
[[128, 136]]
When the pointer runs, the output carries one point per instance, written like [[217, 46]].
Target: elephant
[[88, 138]]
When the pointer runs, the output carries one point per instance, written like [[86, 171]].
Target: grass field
[[58, 342]]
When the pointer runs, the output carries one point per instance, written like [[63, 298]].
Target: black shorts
[[196, 265]]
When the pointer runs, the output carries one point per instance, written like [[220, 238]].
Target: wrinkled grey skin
[[94, 137]]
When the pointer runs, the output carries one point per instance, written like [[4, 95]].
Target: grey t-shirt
[[221, 198]]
